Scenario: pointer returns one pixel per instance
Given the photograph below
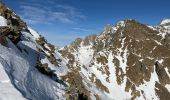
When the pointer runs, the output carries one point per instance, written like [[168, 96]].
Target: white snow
[[167, 87], [122, 59], [34, 33], [116, 91], [160, 61], [20, 67], [32, 83], [163, 36], [46, 46], [165, 21], [85, 54], [120, 23], [7, 90], [59, 70], [3, 21], [159, 43], [166, 69], [94, 90], [149, 88], [151, 27]]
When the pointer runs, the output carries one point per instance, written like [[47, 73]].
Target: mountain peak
[[165, 22]]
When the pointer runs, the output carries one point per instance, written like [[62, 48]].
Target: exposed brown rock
[[97, 97], [100, 86], [92, 78], [52, 59], [138, 31], [15, 24], [128, 85], [102, 59], [3, 40], [41, 41], [162, 75], [162, 92], [71, 59], [119, 75], [77, 86], [89, 39]]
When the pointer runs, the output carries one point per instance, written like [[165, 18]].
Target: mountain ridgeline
[[127, 61]]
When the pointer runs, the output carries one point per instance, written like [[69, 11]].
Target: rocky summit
[[127, 61]]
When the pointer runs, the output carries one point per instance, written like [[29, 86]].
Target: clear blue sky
[[61, 21]]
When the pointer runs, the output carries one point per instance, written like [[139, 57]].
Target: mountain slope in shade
[[8, 91]]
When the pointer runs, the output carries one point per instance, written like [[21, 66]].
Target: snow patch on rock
[[3, 21], [165, 21]]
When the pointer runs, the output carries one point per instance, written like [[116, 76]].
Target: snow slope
[[20, 60], [3, 21], [19, 75], [8, 91]]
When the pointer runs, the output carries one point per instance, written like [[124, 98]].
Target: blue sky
[[61, 21]]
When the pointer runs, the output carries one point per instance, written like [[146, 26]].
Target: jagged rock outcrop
[[14, 24]]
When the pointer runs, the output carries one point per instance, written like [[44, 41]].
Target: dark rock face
[[77, 90], [3, 41], [162, 92], [162, 75], [15, 24]]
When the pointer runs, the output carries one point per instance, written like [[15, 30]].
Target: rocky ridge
[[128, 61]]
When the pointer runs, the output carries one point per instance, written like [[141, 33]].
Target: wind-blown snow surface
[[8, 91], [20, 68]]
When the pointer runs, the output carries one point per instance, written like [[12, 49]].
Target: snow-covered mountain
[[127, 61]]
